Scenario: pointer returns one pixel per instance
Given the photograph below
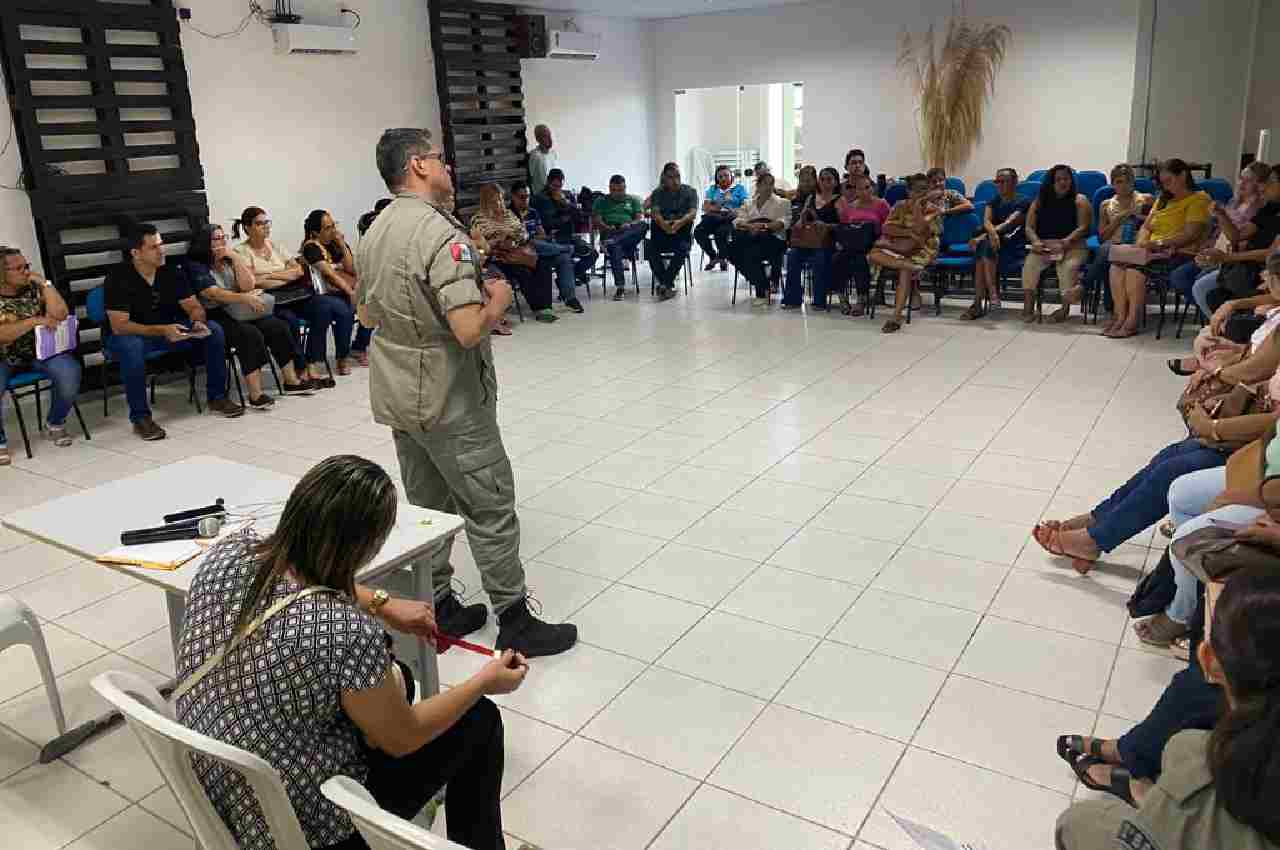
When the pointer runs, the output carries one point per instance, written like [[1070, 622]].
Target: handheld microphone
[[205, 527], [216, 509]]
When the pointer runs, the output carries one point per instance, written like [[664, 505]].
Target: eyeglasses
[[432, 155], [262, 222]]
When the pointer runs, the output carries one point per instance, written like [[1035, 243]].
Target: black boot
[[455, 619], [518, 629]]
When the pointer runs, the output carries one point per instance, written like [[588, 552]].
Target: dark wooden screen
[[99, 98], [477, 50]]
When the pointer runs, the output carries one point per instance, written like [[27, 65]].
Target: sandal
[[1070, 746], [1122, 333], [973, 312], [1052, 543], [891, 326], [1118, 786], [501, 330], [1059, 315], [1159, 630], [1175, 366]]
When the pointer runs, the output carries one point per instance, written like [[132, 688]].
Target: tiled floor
[[797, 550]]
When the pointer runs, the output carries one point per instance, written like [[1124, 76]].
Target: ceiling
[[648, 8]]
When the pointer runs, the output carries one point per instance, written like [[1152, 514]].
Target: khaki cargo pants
[[464, 469], [1092, 825]]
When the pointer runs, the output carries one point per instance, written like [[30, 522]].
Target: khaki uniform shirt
[[416, 264]]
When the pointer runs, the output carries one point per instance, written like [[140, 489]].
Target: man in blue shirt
[[561, 254], [723, 199]]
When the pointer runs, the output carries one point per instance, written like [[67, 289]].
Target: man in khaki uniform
[[431, 379]]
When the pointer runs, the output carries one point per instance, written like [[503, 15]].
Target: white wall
[[1201, 59], [600, 113], [288, 133], [1264, 97], [1065, 93]]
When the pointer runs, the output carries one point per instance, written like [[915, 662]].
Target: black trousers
[[750, 251], [850, 264], [714, 227], [468, 758], [667, 269], [253, 339], [535, 283], [584, 256]]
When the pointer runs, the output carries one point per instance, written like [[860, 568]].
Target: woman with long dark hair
[[314, 690], [333, 273], [1057, 225], [225, 285], [818, 207], [1172, 233], [364, 333], [1217, 790]]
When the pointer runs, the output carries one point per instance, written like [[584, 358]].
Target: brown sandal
[[891, 326], [1159, 630]]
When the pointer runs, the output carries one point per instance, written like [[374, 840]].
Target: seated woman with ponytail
[[1217, 790], [333, 273], [364, 333]]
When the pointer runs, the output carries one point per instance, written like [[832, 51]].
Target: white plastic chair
[[381, 829], [18, 625], [170, 744]]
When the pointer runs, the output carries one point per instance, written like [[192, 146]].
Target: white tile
[[718, 820], [1137, 682], [560, 591], [122, 618], [601, 551], [24, 563], [1065, 601], [886, 426], [996, 501], [567, 690], [705, 653], [641, 721], [945, 579], [928, 459], [854, 447], [824, 473], [795, 601], [67, 651], [736, 533], [700, 484], [539, 530], [908, 628], [888, 521], [118, 760], [634, 472], [830, 554], [656, 516], [610, 621], [15, 753], [998, 468], [893, 707], [1093, 483], [833, 779], [132, 828], [1014, 734], [689, 573], [970, 537], [164, 805], [578, 499], [672, 448], [899, 485], [564, 458], [778, 500], [154, 651], [37, 811], [58, 594], [590, 796], [1050, 664], [526, 745], [973, 805]]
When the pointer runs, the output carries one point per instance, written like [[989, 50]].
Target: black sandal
[[1070, 746], [1119, 786], [1175, 366]]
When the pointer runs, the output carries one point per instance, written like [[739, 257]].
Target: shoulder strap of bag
[[213, 661]]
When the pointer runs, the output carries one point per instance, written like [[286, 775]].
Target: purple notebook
[[64, 337]]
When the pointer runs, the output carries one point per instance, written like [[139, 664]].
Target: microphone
[[216, 509], [205, 527]]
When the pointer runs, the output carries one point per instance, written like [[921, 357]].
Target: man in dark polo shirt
[[150, 307]]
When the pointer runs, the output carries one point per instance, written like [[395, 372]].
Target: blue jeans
[[1188, 702], [62, 370], [797, 259], [1184, 600], [1205, 284], [622, 246], [562, 256], [1099, 274], [131, 353], [1144, 499], [363, 335], [321, 311]]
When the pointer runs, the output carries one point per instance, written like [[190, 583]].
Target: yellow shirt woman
[[1168, 221]]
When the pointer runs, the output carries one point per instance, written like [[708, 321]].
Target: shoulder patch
[[1131, 836], [461, 253]]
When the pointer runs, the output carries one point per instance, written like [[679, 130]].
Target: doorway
[[738, 126]]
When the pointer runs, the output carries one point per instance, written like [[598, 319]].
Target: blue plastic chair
[[895, 192], [96, 309], [1029, 189], [28, 384], [1089, 182], [1145, 185], [956, 184], [1037, 176], [955, 257], [1220, 190], [985, 192]]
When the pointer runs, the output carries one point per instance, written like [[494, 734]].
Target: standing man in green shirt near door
[[620, 219]]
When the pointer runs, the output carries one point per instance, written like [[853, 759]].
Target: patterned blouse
[[495, 229], [16, 308], [278, 694]]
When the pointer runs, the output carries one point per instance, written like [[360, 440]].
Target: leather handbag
[[1214, 552], [812, 235], [1240, 279], [520, 255], [857, 238]]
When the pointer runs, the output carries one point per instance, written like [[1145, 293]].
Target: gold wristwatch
[[380, 597]]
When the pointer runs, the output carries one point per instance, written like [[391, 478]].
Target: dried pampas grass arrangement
[[953, 82]]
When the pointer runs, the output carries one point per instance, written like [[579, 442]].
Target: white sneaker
[[759, 302]]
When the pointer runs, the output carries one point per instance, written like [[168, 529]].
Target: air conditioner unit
[[298, 39], [563, 44]]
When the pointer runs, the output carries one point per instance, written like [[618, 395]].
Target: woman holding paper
[[27, 302]]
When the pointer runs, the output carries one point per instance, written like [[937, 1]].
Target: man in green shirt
[[620, 219]]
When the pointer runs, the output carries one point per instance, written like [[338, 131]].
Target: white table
[[89, 523]]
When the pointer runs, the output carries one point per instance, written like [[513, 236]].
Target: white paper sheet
[[930, 839]]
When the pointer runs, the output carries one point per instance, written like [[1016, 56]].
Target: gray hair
[[396, 147]]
